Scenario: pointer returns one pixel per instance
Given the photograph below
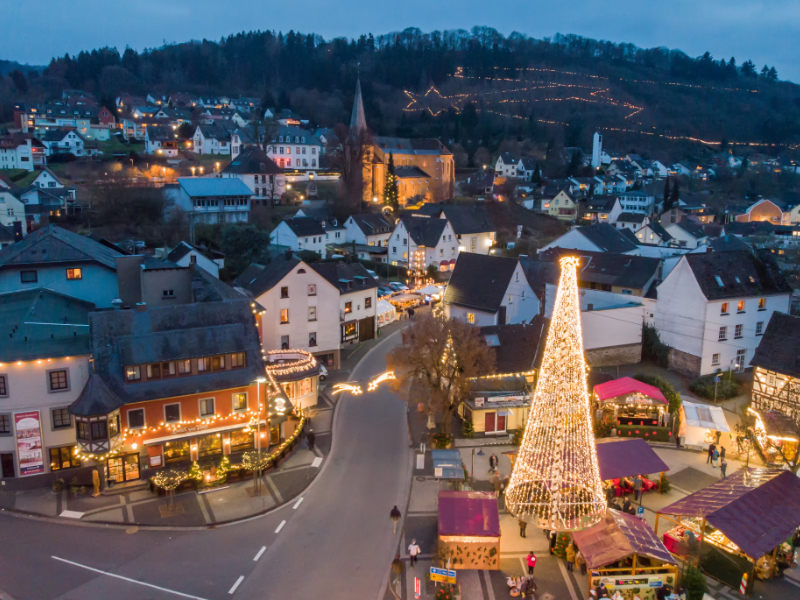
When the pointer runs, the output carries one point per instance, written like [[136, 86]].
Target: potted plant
[[58, 485], [441, 440]]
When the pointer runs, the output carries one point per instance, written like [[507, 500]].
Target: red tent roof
[[627, 385], [468, 513]]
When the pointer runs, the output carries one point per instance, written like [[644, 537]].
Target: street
[[335, 543]]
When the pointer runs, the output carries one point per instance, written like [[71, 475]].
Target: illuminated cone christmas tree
[[556, 481]]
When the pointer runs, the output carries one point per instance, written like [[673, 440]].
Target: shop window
[[241, 440], [349, 330], [74, 274], [368, 302], [133, 373], [99, 430], [172, 413], [58, 380], [61, 418], [237, 360], [306, 386], [124, 468], [207, 407], [63, 458], [284, 316], [176, 450], [239, 401], [209, 445], [5, 424], [28, 276], [136, 418]]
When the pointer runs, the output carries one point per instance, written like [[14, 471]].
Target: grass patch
[[114, 145], [19, 177]]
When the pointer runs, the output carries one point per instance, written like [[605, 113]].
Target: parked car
[[397, 286], [384, 290], [323, 372]]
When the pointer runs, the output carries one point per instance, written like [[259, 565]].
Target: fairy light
[[556, 478], [353, 388], [373, 385]]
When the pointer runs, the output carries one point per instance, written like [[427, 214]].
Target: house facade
[[295, 148], [776, 373], [258, 172], [370, 229], [420, 243], [563, 207], [300, 233], [24, 152], [211, 199]]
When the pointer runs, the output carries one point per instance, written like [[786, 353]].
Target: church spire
[[358, 122]]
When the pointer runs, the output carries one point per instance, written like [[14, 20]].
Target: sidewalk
[[230, 502]]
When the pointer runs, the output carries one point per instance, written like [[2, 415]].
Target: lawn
[[19, 177], [114, 145]]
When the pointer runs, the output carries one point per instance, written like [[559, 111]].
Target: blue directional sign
[[640, 511]]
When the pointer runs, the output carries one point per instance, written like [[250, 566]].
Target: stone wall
[[614, 355], [683, 363]]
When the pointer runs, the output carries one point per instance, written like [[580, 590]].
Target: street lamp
[[201, 170], [311, 176], [193, 168], [217, 167], [288, 186]]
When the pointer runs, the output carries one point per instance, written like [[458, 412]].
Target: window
[[741, 356], [169, 293], [394, 249], [306, 387], [113, 426], [740, 306], [217, 363], [738, 331], [82, 430], [284, 315], [348, 307], [28, 276], [58, 380], [74, 274], [3, 385], [368, 302], [239, 401], [133, 373], [206, 407], [349, 330], [63, 458], [172, 413], [284, 342], [724, 309], [61, 418], [762, 304], [312, 313], [237, 360], [714, 359], [470, 317], [184, 367], [723, 334], [136, 418], [312, 339], [159, 370], [285, 292], [760, 328], [99, 430], [312, 289]]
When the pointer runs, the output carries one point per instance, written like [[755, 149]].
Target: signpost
[[443, 575], [640, 511], [417, 588]]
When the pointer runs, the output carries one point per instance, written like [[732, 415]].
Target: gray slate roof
[[629, 217], [341, 275], [779, 349], [305, 226], [619, 270], [425, 232], [521, 347], [52, 244], [464, 220], [480, 281], [258, 279], [207, 288], [410, 173], [607, 238], [742, 274], [728, 243], [253, 160], [204, 187], [659, 230], [373, 223]]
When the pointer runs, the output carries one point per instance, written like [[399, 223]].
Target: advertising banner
[[30, 454]]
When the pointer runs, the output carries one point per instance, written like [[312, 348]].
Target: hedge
[[728, 387], [654, 434]]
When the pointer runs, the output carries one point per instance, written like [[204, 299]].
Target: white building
[[713, 308], [636, 201], [295, 148], [686, 234], [472, 224], [489, 290], [60, 141], [506, 165], [599, 237], [258, 172], [12, 210], [19, 151], [420, 243], [211, 199], [358, 299], [369, 229], [300, 233], [211, 139], [185, 254], [597, 150]]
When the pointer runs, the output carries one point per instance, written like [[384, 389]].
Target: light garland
[[353, 388], [373, 385], [556, 478]]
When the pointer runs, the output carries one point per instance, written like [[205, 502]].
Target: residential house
[[489, 290], [20, 151], [506, 165], [421, 243], [12, 210], [161, 141], [134, 129], [713, 308], [185, 254], [654, 234], [335, 232], [599, 237], [44, 366], [630, 220], [686, 234], [8, 236], [369, 229], [472, 224], [61, 141], [62, 261], [300, 233], [295, 148], [259, 173], [598, 208], [144, 112], [776, 368], [358, 299], [527, 168], [612, 184], [211, 139], [681, 169], [563, 206], [637, 201], [91, 122], [622, 167], [211, 199], [585, 186], [47, 179], [766, 210]]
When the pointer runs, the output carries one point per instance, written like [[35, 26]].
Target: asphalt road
[[335, 543]]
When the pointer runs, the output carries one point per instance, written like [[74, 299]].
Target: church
[[424, 166]]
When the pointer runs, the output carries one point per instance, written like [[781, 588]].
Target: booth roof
[[469, 514], [705, 416], [627, 385], [626, 458], [756, 509], [618, 536]]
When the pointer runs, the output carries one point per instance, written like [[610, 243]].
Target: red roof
[[468, 513], [624, 386]]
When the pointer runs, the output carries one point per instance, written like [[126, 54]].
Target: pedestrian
[[413, 552], [637, 487], [677, 442], [522, 527], [723, 467], [311, 437], [531, 560], [580, 562], [397, 567], [497, 483], [492, 463], [569, 553], [627, 506], [601, 591], [395, 514], [523, 586], [714, 458], [711, 448], [722, 452]]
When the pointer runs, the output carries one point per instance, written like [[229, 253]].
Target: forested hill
[[465, 85]]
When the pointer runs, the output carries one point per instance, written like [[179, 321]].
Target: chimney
[[288, 254], [141, 307]]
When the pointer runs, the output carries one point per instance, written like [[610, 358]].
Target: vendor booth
[[633, 408], [469, 529], [385, 312], [624, 553], [621, 459], [447, 465], [776, 434], [498, 404], [737, 526], [700, 424]]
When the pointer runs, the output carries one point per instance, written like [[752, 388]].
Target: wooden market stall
[[736, 526], [776, 434], [623, 552], [621, 459], [633, 408], [469, 529]]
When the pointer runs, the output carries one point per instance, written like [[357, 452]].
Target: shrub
[[653, 348], [516, 439], [728, 387], [467, 429], [663, 484], [445, 593], [695, 583], [602, 429], [441, 439]]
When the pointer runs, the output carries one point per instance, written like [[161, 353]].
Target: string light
[[556, 478], [353, 388], [373, 385]]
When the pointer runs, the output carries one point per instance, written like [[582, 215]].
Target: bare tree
[[347, 153]]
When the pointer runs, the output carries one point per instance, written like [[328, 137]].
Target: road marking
[[150, 585], [201, 502], [236, 585], [274, 489], [567, 580], [489, 589], [298, 503], [278, 530], [71, 514], [317, 462], [260, 552]]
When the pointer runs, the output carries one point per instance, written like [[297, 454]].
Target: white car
[[323, 372]]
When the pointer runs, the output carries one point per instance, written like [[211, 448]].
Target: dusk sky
[[765, 32]]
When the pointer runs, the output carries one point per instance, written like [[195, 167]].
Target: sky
[[761, 30]]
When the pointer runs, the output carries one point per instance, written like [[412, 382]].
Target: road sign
[[640, 511], [716, 379], [443, 575], [417, 588]]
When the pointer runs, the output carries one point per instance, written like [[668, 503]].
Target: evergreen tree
[[748, 69], [773, 74], [563, 540], [390, 193], [765, 72], [676, 194], [667, 204]]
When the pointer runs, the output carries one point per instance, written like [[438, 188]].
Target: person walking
[[311, 437], [395, 514], [522, 527], [722, 452], [397, 567], [496, 483], [492, 463], [711, 448], [580, 562], [413, 552], [569, 553], [723, 467], [531, 561], [637, 487], [714, 458]]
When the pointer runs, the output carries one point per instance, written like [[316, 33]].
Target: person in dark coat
[[627, 506], [601, 591], [311, 437], [492, 463], [523, 526], [395, 515], [711, 448]]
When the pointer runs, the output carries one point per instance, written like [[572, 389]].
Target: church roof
[[358, 121]]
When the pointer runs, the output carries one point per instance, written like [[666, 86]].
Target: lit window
[[237, 360], [348, 307], [133, 373], [762, 304], [740, 306], [470, 317], [284, 315], [206, 407], [724, 309], [74, 274], [240, 401]]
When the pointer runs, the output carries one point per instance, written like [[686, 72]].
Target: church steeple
[[358, 122]]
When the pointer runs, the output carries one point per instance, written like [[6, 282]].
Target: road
[[336, 543]]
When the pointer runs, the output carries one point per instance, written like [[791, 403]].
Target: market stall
[[497, 404], [385, 312], [701, 423], [736, 526], [404, 301], [621, 459], [633, 408], [624, 553], [448, 466], [469, 529], [776, 434]]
